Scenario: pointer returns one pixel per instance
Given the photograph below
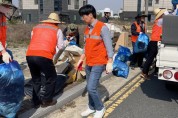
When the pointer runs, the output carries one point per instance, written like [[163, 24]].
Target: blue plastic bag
[[141, 44], [72, 42], [120, 69], [11, 89], [174, 2], [123, 54]]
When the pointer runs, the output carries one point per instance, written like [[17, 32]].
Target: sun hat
[[52, 18]]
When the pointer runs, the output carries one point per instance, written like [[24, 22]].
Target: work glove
[[66, 43], [6, 57], [79, 65], [141, 33], [109, 67]]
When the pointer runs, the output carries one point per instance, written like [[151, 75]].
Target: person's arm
[[160, 22], [60, 40], [105, 34], [134, 30], [82, 58]]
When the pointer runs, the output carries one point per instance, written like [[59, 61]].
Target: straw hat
[[52, 18], [159, 12]]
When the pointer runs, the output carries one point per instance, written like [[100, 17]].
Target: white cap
[[107, 10]]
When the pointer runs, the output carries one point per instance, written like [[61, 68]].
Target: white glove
[[66, 43], [141, 33], [109, 67], [6, 57]]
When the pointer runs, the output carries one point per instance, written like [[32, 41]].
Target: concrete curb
[[63, 99]]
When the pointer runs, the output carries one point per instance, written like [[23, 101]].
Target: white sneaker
[[99, 114], [87, 112]]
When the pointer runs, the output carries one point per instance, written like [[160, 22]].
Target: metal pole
[[146, 13], [139, 7]]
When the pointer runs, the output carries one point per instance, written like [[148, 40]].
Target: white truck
[[167, 57]]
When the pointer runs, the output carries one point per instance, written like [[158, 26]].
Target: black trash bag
[[60, 84]]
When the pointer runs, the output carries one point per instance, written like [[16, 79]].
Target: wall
[[29, 4], [131, 5], [72, 6], [33, 13]]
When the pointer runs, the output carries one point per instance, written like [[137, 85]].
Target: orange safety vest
[[95, 50], [44, 41], [3, 29], [134, 38], [156, 32]]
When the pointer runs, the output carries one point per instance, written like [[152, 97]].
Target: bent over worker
[[45, 37], [98, 52]]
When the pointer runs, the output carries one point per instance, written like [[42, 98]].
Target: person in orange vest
[[152, 49], [44, 39], [4, 55], [98, 52], [137, 28]]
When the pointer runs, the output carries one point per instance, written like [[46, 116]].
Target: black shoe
[[48, 103]]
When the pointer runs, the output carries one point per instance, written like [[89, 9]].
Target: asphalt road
[[149, 99]]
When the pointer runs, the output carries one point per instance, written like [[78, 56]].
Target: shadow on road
[[156, 89], [104, 94]]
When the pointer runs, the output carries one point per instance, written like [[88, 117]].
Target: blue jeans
[[93, 74]]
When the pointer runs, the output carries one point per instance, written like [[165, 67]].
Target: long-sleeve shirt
[[105, 34], [60, 39], [104, 19]]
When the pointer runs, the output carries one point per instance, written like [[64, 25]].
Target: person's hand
[[141, 33], [66, 43], [6, 57], [79, 65], [68, 37], [109, 67]]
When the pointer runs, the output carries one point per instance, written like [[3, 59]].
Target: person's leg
[[48, 69], [91, 108], [152, 52], [133, 57], [90, 100], [92, 86], [140, 59], [36, 79]]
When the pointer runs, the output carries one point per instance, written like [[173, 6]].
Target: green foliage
[[13, 21]]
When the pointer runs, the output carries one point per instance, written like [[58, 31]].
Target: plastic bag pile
[[11, 89], [120, 68]]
